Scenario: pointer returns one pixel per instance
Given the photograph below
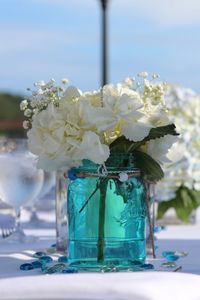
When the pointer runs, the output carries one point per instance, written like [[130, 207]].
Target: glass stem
[[102, 210], [147, 199], [61, 212], [18, 219]]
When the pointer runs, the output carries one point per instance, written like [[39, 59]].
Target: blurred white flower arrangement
[[181, 186], [66, 126]]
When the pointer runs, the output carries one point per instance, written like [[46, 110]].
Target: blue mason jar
[[106, 214]]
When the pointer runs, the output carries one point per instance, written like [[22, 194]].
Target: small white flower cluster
[[40, 98], [68, 125], [184, 111]]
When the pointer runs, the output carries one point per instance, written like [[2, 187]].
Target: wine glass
[[48, 184], [20, 180]]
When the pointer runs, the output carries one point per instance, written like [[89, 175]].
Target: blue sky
[[43, 39]]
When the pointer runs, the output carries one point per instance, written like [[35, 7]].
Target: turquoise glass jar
[[106, 215]]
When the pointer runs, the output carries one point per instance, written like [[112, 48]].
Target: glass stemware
[[48, 184], [20, 180]]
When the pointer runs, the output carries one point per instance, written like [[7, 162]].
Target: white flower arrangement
[[181, 185], [66, 126]]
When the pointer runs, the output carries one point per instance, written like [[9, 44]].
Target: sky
[[44, 39]]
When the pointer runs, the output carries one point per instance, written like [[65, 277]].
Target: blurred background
[[43, 39]]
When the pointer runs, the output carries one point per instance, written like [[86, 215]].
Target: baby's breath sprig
[[40, 98]]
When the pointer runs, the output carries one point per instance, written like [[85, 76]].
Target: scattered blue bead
[[159, 228], [156, 229], [37, 264], [63, 259], [39, 254], [147, 266], [26, 267], [53, 246], [172, 257], [166, 253], [72, 174], [46, 259], [70, 271]]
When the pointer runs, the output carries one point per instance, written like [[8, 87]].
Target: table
[[147, 285]]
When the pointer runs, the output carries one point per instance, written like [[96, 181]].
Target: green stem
[[101, 232]]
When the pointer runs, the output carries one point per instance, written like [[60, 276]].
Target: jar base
[[121, 254]]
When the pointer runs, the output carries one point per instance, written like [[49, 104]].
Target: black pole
[[104, 42]]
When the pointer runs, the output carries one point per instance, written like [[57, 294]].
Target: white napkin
[[114, 286]]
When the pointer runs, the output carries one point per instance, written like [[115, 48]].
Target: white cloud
[[79, 4], [23, 39], [28, 54], [165, 13]]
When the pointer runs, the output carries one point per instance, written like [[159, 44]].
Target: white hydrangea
[[61, 139], [67, 125], [184, 111]]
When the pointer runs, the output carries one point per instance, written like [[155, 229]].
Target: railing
[[10, 124]]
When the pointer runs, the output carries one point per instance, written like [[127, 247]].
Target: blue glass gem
[[147, 266], [53, 245], [39, 254], [70, 270], [172, 257], [46, 259], [37, 264], [156, 229], [63, 259], [166, 253], [26, 267], [72, 174]]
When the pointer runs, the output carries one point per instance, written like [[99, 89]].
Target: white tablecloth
[[153, 285]]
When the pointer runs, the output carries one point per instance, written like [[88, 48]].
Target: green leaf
[[150, 169], [120, 145], [155, 133], [185, 201], [123, 145]]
